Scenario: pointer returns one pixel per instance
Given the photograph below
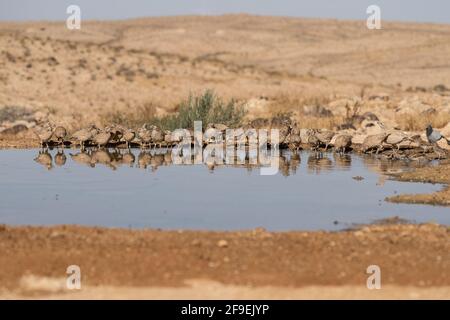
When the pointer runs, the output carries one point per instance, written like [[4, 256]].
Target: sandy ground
[[431, 174], [414, 262]]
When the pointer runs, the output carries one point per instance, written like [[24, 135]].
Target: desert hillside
[[80, 75]]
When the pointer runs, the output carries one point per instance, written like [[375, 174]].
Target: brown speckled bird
[[102, 138], [145, 137], [374, 142], [60, 134], [128, 136], [342, 143], [44, 133]]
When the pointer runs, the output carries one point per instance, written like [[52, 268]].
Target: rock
[[222, 243], [445, 131], [380, 97], [14, 129], [443, 144], [440, 88], [412, 106]]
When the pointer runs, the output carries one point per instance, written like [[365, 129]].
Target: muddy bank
[[408, 255], [432, 174]]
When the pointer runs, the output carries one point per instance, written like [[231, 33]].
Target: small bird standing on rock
[[129, 136], [374, 142], [342, 143], [85, 135], [145, 136], [312, 139], [44, 133], [434, 136], [102, 138], [60, 134], [325, 137]]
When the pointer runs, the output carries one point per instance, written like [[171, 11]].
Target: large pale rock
[[446, 130], [412, 106]]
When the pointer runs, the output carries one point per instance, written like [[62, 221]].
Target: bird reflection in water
[[289, 162], [318, 162]]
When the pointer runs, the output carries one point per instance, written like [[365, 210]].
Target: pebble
[[222, 243]]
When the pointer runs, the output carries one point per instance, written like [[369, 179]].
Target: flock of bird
[[290, 136]]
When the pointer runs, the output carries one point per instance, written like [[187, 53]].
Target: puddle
[[331, 192]]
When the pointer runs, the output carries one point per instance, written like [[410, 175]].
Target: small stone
[[222, 243]]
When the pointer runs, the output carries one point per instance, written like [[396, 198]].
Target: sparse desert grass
[[132, 119], [419, 122], [320, 122], [206, 107]]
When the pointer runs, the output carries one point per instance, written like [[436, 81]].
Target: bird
[[117, 132], [395, 139], [103, 137], [312, 139], [157, 136], [44, 133], [342, 143], [84, 135], [294, 140], [373, 142], [128, 136], [433, 136], [325, 137], [60, 134], [145, 137], [168, 138]]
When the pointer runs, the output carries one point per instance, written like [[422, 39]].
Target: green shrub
[[207, 108]]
